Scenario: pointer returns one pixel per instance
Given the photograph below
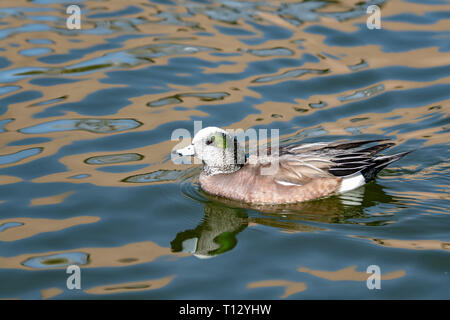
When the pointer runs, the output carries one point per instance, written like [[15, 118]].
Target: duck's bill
[[187, 151]]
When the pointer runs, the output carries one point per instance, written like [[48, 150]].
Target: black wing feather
[[364, 161]]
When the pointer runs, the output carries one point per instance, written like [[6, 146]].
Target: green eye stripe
[[220, 140]]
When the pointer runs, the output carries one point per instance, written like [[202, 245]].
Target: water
[[86, 119]]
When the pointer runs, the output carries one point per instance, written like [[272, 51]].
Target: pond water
[[86, 123]]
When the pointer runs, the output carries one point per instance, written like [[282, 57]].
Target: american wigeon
[[302, 171]]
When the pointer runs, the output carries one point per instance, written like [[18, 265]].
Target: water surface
[[86, 119]]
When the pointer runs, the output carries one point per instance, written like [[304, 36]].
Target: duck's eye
[[211, 140]]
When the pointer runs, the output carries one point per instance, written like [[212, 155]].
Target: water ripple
[[161, 176], [57, 260], [19, 155], [87, 118], [271, 52], [365, 93], [291, 74], [90, 125], [114, 158], [210, 96]]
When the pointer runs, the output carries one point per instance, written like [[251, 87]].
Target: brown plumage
[[248, 186]]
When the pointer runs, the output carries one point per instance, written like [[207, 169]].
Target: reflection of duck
[[224, 219], [292, 174], [216, 234]]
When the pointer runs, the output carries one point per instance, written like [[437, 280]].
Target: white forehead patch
[[206, 132]]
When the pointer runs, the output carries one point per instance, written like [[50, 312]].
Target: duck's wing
[[300, 164], [301, 168]]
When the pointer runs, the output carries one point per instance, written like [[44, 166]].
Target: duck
[[287, 174]]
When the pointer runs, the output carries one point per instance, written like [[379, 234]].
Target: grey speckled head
[[218, 150]]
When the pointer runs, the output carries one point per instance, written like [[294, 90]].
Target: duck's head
[[218, 149]]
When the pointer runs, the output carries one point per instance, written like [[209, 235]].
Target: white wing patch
[[352, 182], [309, 145], [287, 183]]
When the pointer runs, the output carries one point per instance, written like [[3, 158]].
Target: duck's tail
[[380, 163]]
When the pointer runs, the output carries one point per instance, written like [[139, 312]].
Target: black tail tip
[[380, 163], [402, 154]]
